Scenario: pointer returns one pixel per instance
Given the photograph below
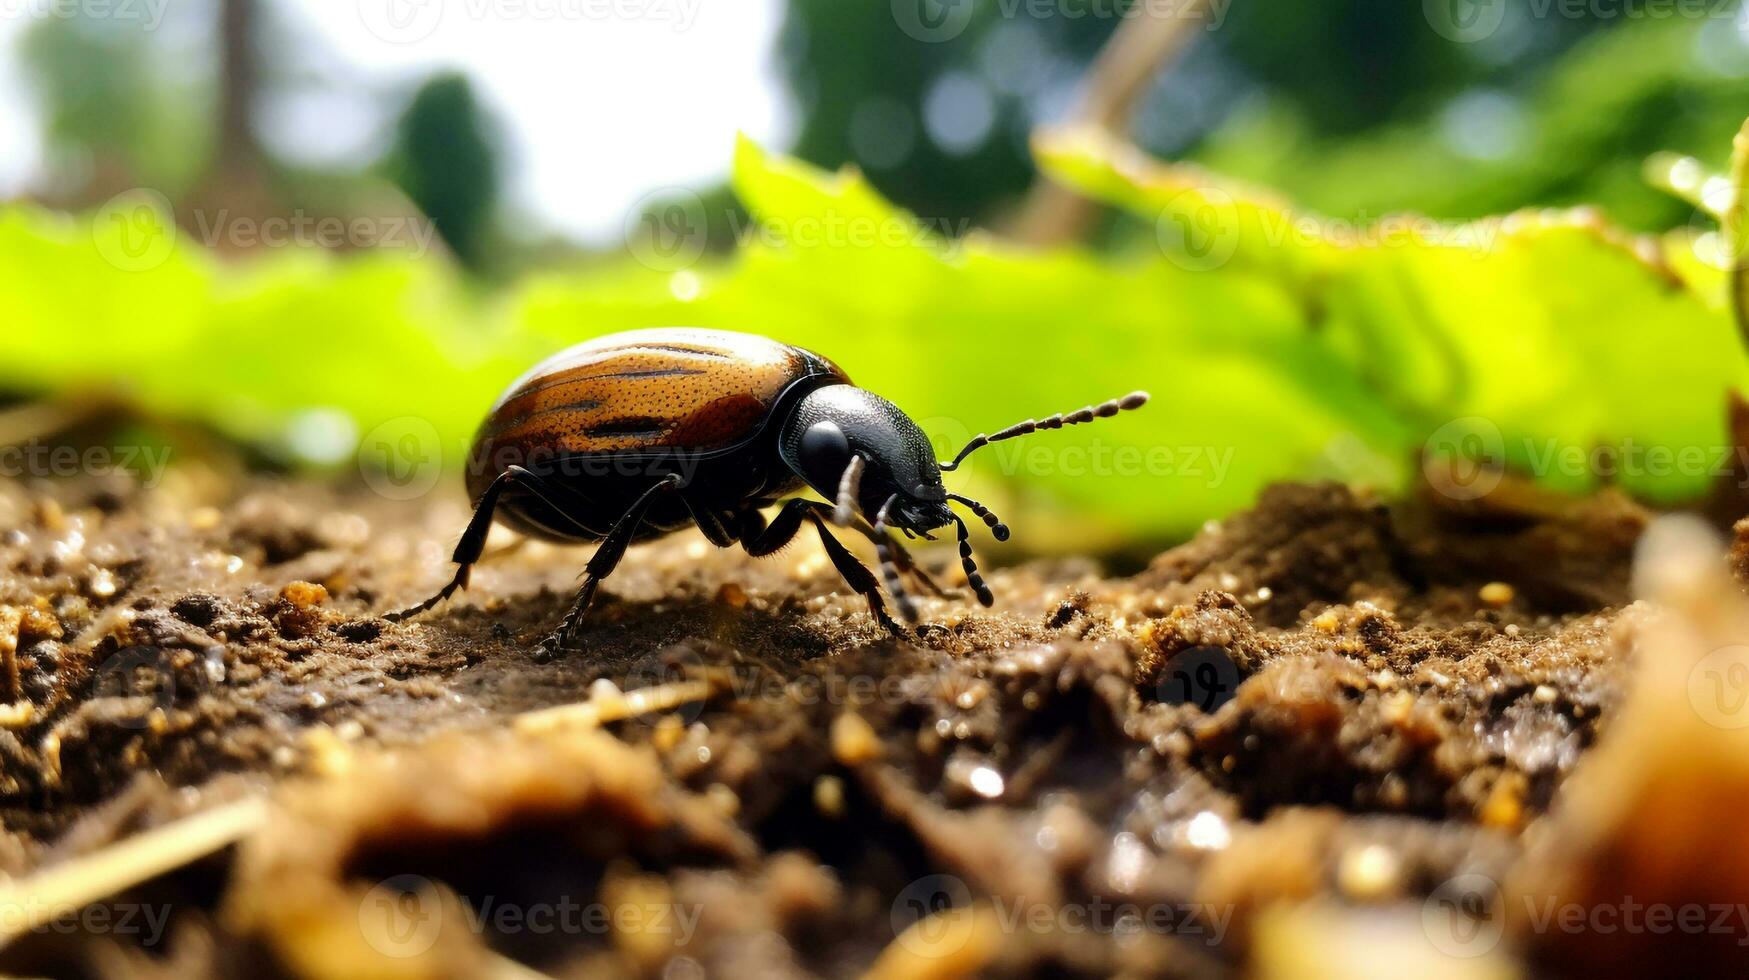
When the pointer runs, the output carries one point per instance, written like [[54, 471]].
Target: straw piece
[[33, 902]]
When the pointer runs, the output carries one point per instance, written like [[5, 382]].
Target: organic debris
[[1313, 719]]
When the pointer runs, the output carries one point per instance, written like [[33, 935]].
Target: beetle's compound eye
[[824, 445]]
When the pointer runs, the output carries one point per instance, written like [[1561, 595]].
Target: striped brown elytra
[[635, 435]]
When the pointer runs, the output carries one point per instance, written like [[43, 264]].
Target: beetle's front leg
[[761, 539]]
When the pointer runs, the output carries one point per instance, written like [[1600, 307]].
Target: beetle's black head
[[836, 422], [858, 450]]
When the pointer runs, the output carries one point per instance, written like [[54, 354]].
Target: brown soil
[[1324, 702]]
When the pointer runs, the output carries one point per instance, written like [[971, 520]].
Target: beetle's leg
[[884, 545], [909, 566], [473, 542], [761, 539], [712, 525], [860, 579], [905, 563], [606, 557]]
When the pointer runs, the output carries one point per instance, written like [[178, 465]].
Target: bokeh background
[[329, 231]]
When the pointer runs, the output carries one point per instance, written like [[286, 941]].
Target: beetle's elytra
[[635, 435]]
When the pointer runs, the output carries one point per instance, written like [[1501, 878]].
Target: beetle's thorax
[[836, 422]]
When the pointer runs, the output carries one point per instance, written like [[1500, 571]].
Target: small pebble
[[1207, 832], [1496, 594], [829, 796], [304, 595], [604, 691], [853, 740], [103, 583], [986, 782], [1369, 873], [724, 799], [668, 733]]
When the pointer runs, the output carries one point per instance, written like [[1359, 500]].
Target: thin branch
[[65, 888], [1142, 47]]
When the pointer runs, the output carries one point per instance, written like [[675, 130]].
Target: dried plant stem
[[1143, 45], [599, 711], [56, 891], [68, 887]]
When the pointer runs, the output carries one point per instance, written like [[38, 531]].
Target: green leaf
[[1297, 348], [1560, 333]]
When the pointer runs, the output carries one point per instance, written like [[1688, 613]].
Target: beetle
[[631, 436]]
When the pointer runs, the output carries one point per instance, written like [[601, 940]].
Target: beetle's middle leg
[[713, 525], [606, 558]]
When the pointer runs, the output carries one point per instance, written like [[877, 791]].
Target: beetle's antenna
[[849, 488], [997, 528], [889, 571], [973, 579], [1104, 410]]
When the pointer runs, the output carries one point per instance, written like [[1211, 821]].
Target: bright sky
[[603, 100]]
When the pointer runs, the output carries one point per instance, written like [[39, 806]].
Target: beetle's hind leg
[[473, 542], [605, 559]]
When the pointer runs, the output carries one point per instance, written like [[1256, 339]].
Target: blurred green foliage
[[1325, 74], [868, 103], [1530, 337], [1575, 135], [116, 110], [1276, 344]]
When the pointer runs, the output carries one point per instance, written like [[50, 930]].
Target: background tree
[[445, 159]]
